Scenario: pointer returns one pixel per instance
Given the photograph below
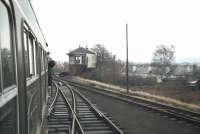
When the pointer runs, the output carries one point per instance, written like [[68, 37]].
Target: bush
[[136, 81]]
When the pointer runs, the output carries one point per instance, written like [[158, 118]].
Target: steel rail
[[75, 121], [54, 100], [97, 111], [73, 96], [100, 114], [72, 109], [188, 116]]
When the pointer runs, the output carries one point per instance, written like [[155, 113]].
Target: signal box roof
[[79, 51]]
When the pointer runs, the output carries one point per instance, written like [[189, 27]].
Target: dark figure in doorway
[[51, 64]]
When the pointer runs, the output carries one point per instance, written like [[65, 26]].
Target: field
[[178, 92], [175, 94]]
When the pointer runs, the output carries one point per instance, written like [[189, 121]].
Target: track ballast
[[70, 112], [170, 111]]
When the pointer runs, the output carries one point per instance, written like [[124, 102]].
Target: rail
[[98, 112], [101, 115], [53, 102], [182, 114], [75, 122]]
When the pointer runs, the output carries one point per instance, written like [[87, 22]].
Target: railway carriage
[[23, 69]]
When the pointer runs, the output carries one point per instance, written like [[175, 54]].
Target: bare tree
[[163, 58], [105, 63], [66, 66], [102, 54], [196, 71]]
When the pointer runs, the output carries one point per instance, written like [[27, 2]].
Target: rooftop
[[80, 50]]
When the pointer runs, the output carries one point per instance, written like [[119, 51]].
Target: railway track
[[59, 116], [165, 110], [70, 112]]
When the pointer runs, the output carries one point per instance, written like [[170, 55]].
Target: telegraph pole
[[114, 69], [127, 87]]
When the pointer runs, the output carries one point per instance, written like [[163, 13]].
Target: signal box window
[[6, 52], [77, 60]]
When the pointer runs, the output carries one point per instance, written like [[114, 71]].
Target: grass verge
[[143, 95]]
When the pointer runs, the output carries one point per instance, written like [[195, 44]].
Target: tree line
[[112, 70], [108, 67]]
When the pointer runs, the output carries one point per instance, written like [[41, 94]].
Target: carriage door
[[8, 88]]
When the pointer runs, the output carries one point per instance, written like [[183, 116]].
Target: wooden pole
[[127, 85]]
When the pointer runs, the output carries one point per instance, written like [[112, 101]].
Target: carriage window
[[46, 61], [29, 52], [37, 58], [26, 52], [0, 84], [42, 61], [7, 60], [44, 58], [31, 55]]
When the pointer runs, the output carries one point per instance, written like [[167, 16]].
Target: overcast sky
[[68, 23]]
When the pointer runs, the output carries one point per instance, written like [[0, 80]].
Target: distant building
[[182, 70], [140, 69], [81, 59], [148, 69]]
